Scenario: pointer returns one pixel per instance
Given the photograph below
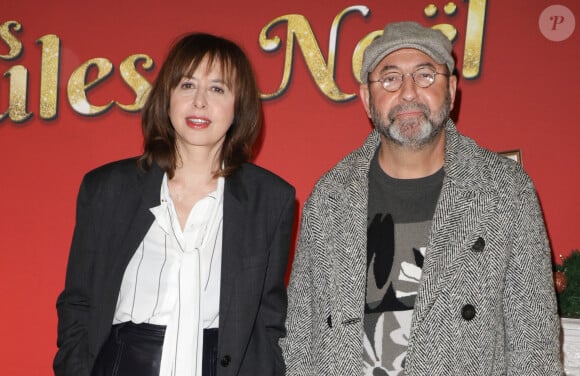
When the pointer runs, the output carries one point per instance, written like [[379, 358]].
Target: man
[[420, 253]]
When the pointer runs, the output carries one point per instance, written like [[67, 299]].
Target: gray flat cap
[[407, 34]]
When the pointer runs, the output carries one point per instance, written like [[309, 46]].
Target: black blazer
[[112, 219]]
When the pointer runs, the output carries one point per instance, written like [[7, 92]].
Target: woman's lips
[[198, 122]]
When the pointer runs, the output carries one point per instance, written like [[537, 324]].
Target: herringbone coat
[[487, 249]]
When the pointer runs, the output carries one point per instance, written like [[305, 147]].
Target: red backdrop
[[523, 95]]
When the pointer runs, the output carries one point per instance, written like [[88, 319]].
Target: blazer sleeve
[[531, 318], [72, 357], [274, 301]]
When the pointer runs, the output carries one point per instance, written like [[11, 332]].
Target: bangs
[[214, 59], [187, 55]]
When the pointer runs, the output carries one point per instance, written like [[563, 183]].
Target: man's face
[[411, 116]]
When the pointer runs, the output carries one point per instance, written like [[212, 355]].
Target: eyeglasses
[[423, 77]]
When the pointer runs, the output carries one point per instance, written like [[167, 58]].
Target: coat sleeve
[[531, 318], [297, 345], [72, 357], [274, 301]]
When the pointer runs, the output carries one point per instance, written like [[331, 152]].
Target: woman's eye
[[187, 85], [218, 89]]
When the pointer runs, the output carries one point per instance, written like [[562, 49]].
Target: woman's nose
[[199, 100]]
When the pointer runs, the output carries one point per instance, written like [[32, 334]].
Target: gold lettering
[[13, 43], [17, 107], [139, 84], [474, 38], [357, 55], [77, 86], [299, 32], [323, 72], [49, 74], [449, 30]]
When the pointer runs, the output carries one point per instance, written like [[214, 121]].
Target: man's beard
[[412, 132]]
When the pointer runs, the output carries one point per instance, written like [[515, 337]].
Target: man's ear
[[365, 96], [452, 90]]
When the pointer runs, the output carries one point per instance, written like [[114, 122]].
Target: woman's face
[[201, 109]]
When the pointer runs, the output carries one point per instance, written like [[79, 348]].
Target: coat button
[[468, 312], [225, 361], [478, 245]]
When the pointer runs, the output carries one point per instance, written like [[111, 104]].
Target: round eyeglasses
[[422, 77]]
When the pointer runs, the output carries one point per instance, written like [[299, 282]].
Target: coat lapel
[[463, 205], [349, 256], [451, 223]]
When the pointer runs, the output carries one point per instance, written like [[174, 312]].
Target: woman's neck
[[194, 178]]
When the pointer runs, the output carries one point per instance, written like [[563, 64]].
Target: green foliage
[[569, 299]]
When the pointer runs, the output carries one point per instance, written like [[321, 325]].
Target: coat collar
[[461, 159]]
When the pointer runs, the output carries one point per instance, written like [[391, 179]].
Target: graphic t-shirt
[[399, 220]]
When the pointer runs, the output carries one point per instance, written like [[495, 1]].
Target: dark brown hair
[[182, 61]]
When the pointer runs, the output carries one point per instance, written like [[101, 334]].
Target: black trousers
[[135, 350]]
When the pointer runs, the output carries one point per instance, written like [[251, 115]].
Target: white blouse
[[173, 279]]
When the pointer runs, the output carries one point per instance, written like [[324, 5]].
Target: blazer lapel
[[234, 214], [134, 219], [146, 190]]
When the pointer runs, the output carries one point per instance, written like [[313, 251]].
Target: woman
[[178, 257]]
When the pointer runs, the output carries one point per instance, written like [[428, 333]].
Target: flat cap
[[407, 34]]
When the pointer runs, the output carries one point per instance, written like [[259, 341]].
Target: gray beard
[[413, 133]]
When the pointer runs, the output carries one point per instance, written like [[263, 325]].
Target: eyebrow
[[214, 80]]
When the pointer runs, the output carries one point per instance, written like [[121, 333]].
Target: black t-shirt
[[399, 220]]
